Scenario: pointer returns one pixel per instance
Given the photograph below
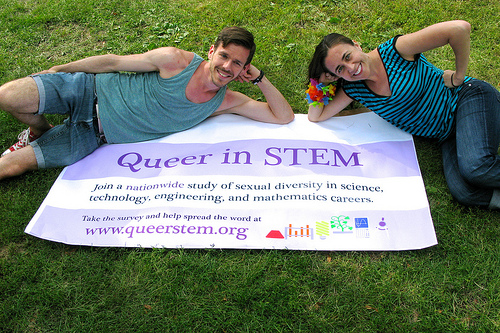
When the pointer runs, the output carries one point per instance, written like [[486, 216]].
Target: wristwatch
[[259, 78]]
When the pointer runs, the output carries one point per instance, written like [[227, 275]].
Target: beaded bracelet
[[317, 94]]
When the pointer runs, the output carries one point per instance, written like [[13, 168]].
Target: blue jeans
[[470, 157], [70, 94]]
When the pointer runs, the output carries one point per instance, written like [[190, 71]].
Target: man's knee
[[18, 162], [20, 95]]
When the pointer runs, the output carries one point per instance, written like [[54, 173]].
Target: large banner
[[349, 183]]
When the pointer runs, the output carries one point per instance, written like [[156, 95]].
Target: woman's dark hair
[[317, 64], [238, 36]]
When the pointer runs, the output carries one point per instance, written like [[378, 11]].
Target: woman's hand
[[451, 79], [327, 78]]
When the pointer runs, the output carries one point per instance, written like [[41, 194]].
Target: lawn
[[50, 287]]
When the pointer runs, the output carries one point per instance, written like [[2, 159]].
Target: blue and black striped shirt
[[420, 103]]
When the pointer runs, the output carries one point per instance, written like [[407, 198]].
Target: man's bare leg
[[18, 162], [20, 98]]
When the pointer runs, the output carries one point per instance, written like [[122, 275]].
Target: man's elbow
[[286, 118]]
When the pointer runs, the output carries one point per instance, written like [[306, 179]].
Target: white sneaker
[[25, 137]]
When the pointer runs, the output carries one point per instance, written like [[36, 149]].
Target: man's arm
[[276, 110], [163, 59]]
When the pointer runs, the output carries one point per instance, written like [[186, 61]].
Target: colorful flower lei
[[317, 94]]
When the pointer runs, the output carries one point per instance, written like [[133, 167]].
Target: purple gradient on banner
[[389, 230], [261, 157]]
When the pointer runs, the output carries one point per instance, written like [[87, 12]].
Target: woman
[[398, 83]]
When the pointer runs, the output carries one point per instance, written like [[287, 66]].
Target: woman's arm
[[320, 113], [454, 33]]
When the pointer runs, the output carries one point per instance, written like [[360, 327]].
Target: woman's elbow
[[313, 119], [464, 26]]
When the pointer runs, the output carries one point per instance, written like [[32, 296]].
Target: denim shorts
[[71, 94]]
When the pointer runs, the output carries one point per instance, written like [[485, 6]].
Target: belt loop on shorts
[[97, 123]]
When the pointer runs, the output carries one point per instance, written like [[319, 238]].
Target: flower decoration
[[317, 94]]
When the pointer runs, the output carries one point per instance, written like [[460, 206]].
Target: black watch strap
[[259, 78]]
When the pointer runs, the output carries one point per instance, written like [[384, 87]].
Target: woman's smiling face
[[348, 62]]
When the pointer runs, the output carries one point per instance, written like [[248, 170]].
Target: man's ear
[[356, 44], [211, 52]]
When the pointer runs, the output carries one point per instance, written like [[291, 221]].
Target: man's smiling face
[[226, 63]]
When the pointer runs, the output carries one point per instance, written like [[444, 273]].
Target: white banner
[[349, 183]]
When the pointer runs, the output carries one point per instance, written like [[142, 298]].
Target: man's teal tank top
[[137, 107]]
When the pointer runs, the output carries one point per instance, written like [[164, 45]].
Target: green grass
[[50, 287]]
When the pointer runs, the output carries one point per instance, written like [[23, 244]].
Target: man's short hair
[[237, 36]]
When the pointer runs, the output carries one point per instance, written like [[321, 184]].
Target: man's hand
[[251, 73], [47, 71]]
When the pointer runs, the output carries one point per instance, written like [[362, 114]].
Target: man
[[167, 90]]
